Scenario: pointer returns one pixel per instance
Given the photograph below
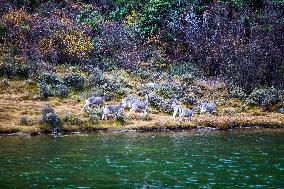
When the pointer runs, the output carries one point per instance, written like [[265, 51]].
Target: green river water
[[247, 158]]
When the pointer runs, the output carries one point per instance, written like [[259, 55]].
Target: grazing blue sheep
[[207, 107], [185, 112], [97, 101], [128, 101], [136, 105], [177, 109], [139, 105], [114, 110]]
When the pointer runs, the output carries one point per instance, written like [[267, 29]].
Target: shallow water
[[195, 159]]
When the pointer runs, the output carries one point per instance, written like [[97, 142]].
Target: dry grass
[[13, 106]]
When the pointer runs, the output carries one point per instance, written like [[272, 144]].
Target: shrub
[[3, 30], [148, 88], [52, 120], [23, 120], [49, 118], [152, 86], [120, 120], [10, 68], [143, 74], [265, 97], [51, 85], [166, 91], [5, 70], [47, 109], [112, 89], [237, 92], [44, 90], [118, 46], [17, 17], [75, 81], [110, 85], [75, 42], [60, 90], [50, 78], [21, 70], [159, 103], [188, 100], [219, 48], [90, 17], [115, 85], [72, 119], [93, 114], [153, 14], [5, 82], [29, 82], [187, 79], [183, 68], [174, 90], [96, 77]]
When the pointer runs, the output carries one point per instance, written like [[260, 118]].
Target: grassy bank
[[17, 101]]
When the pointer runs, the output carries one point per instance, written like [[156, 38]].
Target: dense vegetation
[[100, 46], [240, 40]]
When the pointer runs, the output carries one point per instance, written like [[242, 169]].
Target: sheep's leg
[[145, 112], [210, 113], [186, 118], [180, 117], [83, 107], [133, 109], [175, 113], [104, 116]]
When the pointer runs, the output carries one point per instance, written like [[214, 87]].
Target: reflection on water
[[200, 159]]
